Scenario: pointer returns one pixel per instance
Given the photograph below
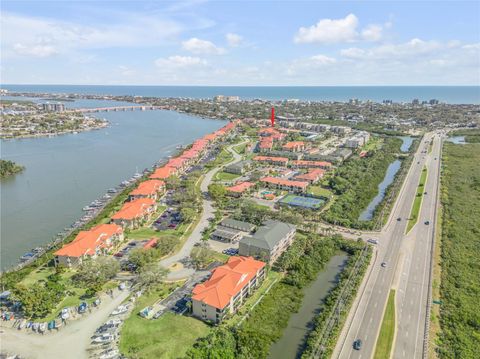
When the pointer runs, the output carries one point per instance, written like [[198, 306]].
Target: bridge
[[115, 109]]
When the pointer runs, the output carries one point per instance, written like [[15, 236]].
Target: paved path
[[70, 341], [196, 236]]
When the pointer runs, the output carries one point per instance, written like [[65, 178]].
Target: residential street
[[196, 235]]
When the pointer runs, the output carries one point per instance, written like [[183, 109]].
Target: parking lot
[[220, 247], [169, 219]]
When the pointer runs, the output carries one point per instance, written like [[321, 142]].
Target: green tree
[[151, 275], [95, 272], [217, 191]]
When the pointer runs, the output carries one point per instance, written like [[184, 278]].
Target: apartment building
[[227, 288], [268, 242], [286, 185], [97, 241]]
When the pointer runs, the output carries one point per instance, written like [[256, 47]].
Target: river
[[392, 170], [292, 342], [65, 173]]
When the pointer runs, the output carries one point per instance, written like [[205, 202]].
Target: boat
[[27, 256], [111, 190], [120, 310], [87, 208]]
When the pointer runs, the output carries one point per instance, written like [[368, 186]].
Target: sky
[[195, 42]]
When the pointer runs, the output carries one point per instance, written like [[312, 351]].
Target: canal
[[292, 342], [392, 170], [65, 173]]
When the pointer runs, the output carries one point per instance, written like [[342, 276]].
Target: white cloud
[[329, 31], [414, 47], [27, 36], [309, 64], [179, 62], [35, 50], [198, 46], [372, 33], [234, 40]]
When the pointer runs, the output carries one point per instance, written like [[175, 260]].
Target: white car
[[113, 322], [373, 241]]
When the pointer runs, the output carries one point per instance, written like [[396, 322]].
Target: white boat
[[108, 354], [105, 338], [120, 310], [115, 322]]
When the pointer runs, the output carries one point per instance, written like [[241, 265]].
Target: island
[[27, 119], [9, 168]]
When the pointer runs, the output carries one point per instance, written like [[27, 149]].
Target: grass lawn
[[240, 149], [387, 331], [417, 203], [224, 176], [272, 276], [373, 144], [319, 191], [169, 336]]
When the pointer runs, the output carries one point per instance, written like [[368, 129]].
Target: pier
[[116, 109]]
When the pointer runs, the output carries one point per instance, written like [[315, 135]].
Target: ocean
[[448, 94]]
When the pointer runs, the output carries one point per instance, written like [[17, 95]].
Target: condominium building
[[97, 241], [268, 242], [227, 288]]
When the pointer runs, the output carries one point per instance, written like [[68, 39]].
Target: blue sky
[[241, 42]]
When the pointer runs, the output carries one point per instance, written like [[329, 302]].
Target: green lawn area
[[224, 176], [240, 149], [387, 331], [272, 276], [373, 144], [170, 336], [417, 203], [319, 191]]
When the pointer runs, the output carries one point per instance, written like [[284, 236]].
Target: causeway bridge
[[116, 109]]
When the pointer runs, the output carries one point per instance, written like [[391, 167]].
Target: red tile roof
[[312, 175], [283, 160], [148, 188], [312, 163], [86, 242], [240, 187], [227, 281], [163, 173], [293, 144], [284, 182], [134, 209]]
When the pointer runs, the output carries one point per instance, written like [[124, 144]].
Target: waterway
[[458, 140], [392, 170], [67, 172], [292, 342]]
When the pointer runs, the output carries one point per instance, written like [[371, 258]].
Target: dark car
[[399, 219], [119, 254], [357, 344], [427, 223]]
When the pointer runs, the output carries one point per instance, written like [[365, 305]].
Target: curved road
[[196, 235]]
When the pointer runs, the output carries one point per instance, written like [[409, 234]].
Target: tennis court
[[301, 201]]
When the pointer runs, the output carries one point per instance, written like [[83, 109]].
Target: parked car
[[384, 264], [118, 254], [427, 223], [399, 219], [373, 241]]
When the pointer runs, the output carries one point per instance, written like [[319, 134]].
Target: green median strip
[[387, 331], [417, 203]]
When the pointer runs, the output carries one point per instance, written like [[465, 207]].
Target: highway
[[402, 254]]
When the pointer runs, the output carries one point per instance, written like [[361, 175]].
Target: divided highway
[[400, 254]]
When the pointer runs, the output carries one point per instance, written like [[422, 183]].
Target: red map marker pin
[[272, 117]]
